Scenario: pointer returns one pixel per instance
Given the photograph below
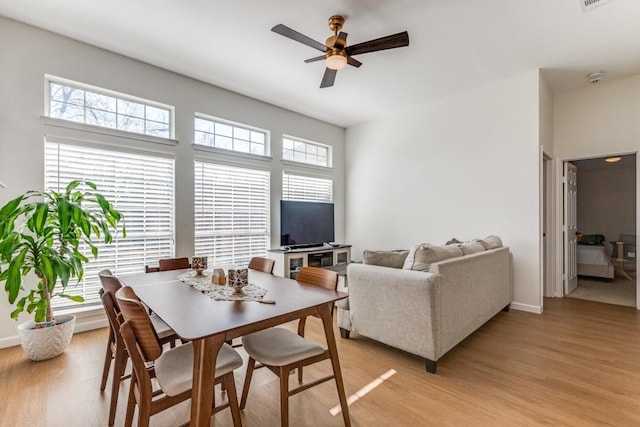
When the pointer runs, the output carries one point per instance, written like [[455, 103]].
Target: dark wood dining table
[[208, 323]]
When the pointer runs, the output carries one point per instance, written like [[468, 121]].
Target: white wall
[[27, 54], [465, 167], [598, 120]]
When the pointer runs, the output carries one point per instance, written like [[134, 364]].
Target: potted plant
[[46, 233]]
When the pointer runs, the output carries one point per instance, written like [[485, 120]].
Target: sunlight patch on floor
[[364, 390]]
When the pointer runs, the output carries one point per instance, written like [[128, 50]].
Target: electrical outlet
[[632, 254]]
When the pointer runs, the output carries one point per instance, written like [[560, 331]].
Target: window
[[140, 187], [306, 188], [231, 213], [307, 152], [218, 134], [99, 107]]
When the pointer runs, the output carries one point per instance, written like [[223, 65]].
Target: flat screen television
[[306, 224]]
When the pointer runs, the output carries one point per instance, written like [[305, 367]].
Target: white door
[[570, 227]]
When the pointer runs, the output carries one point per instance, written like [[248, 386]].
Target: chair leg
[[247, 382], [131, 402], [107, 362], [120, 363], [232, 397], [301, 324], [284, 396]]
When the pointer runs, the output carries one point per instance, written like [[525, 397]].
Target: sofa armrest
[[394, 306], [475, 287]]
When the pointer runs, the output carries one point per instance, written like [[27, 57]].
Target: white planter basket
[[46, 343]]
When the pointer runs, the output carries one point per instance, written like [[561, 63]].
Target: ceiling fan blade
[[300, 38], [383, 43], [317, 58], [341, 41], [354, 62], [328, 78]]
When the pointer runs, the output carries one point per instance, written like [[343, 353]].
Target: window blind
[[140, 186], [231, 213], [306, 188]]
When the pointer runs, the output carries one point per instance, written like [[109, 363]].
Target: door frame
[[558, 288]]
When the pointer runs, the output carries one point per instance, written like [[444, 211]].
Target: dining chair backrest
[[262, 264], [138, 364], [135, 313], [113, 312], [110, 283], [319, 277], [174, 264]]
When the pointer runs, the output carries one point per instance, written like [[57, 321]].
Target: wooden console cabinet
[[289, 262]]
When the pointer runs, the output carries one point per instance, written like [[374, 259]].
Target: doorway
[[600, 252]]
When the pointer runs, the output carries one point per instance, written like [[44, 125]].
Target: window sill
[[106, 131], [231, 153], [81, 311]]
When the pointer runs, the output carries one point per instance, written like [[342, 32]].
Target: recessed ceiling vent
[[589, 5]]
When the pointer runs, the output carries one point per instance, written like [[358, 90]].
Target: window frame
[[233, 124], [49, 79], [307, 143]]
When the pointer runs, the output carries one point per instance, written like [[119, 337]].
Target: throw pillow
[[491, 242], [393, 259], [422, 256], [471, 247]]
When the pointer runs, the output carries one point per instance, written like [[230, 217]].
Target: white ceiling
[[455, 45]]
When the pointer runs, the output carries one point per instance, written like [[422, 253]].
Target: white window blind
[[139, 186], [306, 188], [231, 213]]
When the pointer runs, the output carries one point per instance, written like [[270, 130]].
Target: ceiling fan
[[336, 52]]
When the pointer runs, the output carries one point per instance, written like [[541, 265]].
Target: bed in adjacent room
[[594, 261]]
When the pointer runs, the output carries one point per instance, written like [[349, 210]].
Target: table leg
[[327, 322], [205, 353]]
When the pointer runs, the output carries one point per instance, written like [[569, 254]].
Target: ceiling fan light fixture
[[336, 60]]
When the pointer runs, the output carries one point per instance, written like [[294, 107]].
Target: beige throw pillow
[[471, 247], [422, 256], [491, 242], [393, 259]]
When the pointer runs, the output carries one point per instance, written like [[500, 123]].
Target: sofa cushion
[[471, 247], [393, 259], [491, 242], [422, 256]]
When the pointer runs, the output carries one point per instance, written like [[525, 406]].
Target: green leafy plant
[[45, 232]]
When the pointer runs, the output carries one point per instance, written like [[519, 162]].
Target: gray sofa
[[427, 312]]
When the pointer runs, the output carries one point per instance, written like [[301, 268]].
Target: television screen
[[306, 223]]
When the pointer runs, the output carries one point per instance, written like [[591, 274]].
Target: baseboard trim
[[526, 307], [81, 326]]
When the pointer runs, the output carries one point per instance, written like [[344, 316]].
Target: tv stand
[[302, 246], [289, 261]]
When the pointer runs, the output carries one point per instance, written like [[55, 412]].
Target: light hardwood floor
[[577, 364]]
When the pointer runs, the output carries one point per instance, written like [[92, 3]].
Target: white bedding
[[591, 254]]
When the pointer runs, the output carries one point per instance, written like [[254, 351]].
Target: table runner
[[220, 292]]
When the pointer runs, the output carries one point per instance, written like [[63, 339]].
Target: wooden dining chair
[[116, 350], [173, 369], [321, 278], [262, 264], [281, 350], [174, 264]]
